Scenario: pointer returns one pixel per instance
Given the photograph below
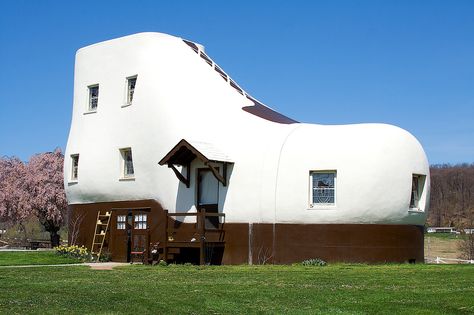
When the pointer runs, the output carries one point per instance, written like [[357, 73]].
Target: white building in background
[[157, 125]]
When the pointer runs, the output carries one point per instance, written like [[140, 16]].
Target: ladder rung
[[100, 234], [101, 223], [97, 243]]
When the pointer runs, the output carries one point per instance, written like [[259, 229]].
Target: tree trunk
[[53, 229], [54, 238]]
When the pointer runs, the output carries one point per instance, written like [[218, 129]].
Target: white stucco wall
[[179, 96]]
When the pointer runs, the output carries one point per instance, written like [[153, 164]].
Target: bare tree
[[75, 222], [466, 244], [265, 255], [452, 195]]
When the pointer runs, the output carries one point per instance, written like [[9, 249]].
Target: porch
[[203, 240]]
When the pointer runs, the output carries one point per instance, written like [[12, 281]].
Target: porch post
[[165, 243], [202, 238]]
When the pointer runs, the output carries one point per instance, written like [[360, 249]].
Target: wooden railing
[[200, 231]]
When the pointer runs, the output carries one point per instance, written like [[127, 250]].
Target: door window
[[208, 192], [140, 221]]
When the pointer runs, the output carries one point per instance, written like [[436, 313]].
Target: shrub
[[74, 251], [105, 256], [314, 262], [162, 263]]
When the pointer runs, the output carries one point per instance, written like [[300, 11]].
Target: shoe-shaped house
[[169, 158]]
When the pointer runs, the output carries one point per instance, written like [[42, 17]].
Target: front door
[[130, 233], [208, 195]]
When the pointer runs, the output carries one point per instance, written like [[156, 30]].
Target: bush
[[105, 256], [314, 262], [74, 251], [162, 263]]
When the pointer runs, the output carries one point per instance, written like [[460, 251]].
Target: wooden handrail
[[193, 214], [200, 230]]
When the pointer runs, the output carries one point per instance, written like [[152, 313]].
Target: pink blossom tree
[[45, 187], [14, 198], [35, 188]]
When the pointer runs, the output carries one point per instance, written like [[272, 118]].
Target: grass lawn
[[354, 289], [14, 258], [446, 236]]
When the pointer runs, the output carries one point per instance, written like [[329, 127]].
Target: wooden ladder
[[100, 232]]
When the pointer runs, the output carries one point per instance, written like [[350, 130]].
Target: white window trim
[[73, 179], [126, 101], [121, 223], [140, 224], [322, 206], [89, 110], [123, 176], [421, 204]]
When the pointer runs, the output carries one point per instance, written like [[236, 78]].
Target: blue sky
[[407, 63]]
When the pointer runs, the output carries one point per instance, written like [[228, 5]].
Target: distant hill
[[452, 195]]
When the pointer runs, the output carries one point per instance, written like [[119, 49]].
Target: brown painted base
[[260, 243]]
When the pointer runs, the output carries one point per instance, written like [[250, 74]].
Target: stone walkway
[[105, 265]]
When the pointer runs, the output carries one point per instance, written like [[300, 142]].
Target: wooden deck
[[207, 235]]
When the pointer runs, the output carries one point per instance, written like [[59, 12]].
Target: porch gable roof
[[184, 153]]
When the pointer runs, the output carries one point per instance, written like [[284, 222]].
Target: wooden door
[[139, 241], [119, 236], [129, 232], [208, 195]]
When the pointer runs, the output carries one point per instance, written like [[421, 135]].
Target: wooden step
[[170, 257], [174, 250]]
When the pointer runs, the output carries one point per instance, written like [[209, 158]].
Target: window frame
[[129, 100], [312, 204], [90, 108], [121, 222], [418, 205], [123, 164], [74, 168], [142, 222]]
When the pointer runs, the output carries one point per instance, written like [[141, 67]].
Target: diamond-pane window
[[323, 188]]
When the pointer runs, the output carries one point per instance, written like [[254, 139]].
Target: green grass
[[15, 258], [341, 289], [448, 236]]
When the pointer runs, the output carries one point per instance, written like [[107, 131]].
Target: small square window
[[323, 188], [121, 219], [140, 221], [127, 163], [93, 97], [131, 82], [417, 186], [74, 166]]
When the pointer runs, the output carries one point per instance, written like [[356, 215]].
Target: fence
[[441, 260]]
